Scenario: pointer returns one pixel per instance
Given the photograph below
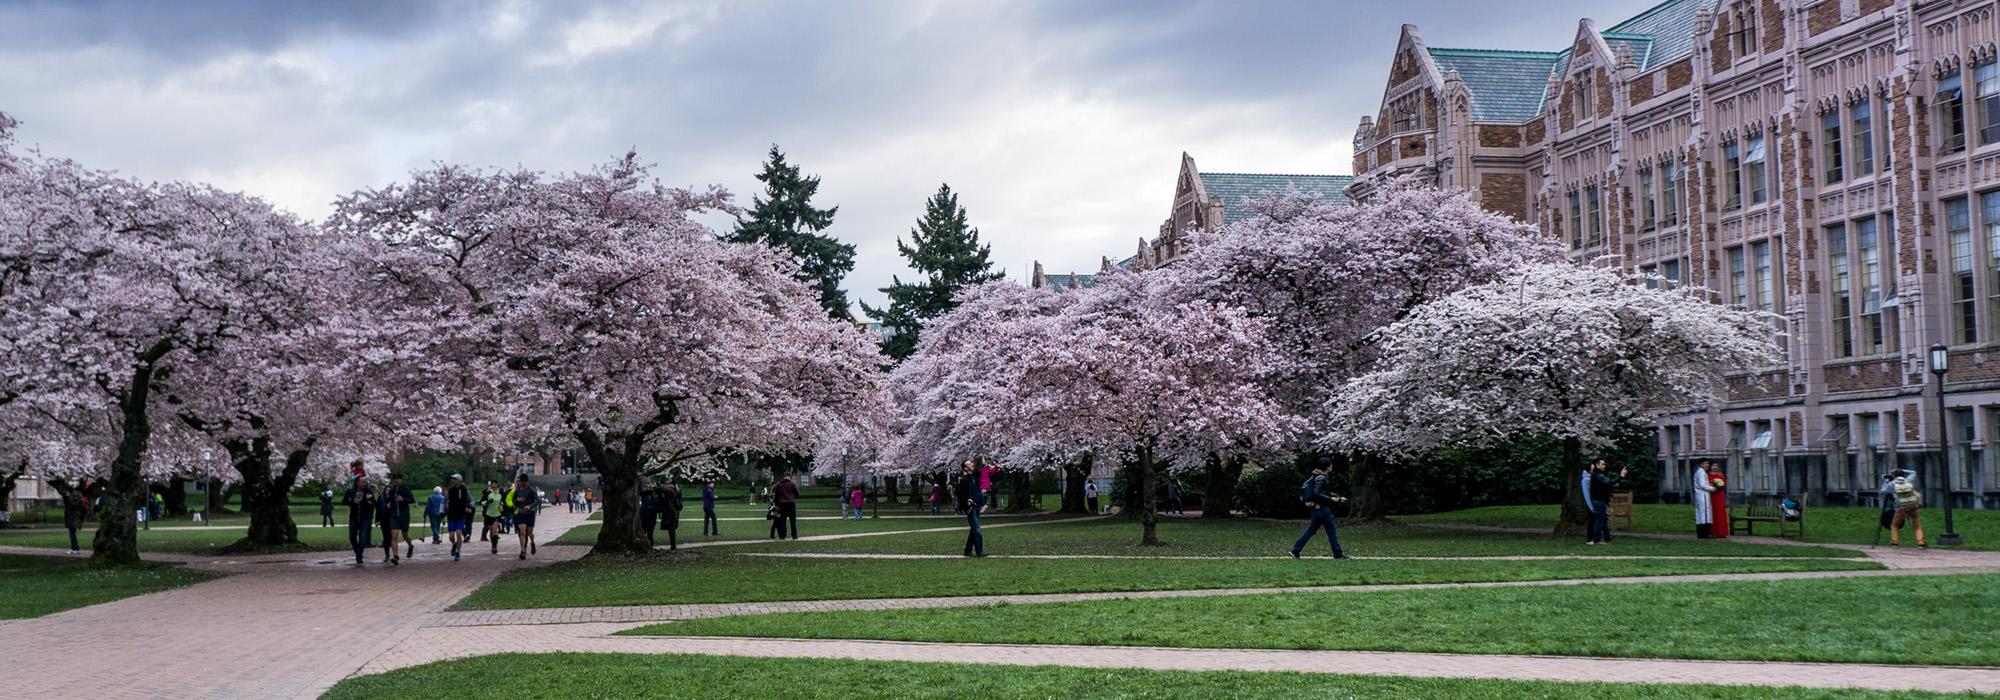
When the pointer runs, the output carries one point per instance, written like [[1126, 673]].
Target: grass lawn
[[202, 541], [717, 578], [1120, 537], [756, 530], [691, 676], [1823, 524], [1916, 620], [32, 586]]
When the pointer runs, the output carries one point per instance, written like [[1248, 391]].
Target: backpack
[[1907, 495], [1307, 492], [1789, 508]]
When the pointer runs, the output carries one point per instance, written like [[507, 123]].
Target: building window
[[1829, 127], [1646, 200], [1862, 135], [1868, 251], [1760, 270], [1594, 214], [1884, 144], [1732, 177], [1671, 270], [1575, 221], [1989, 216], [1753, 168], [1843, 298], [1988, 76], [1950, 105], [1958, 233], [1670, 194], [1739, 283], [1743, 41]]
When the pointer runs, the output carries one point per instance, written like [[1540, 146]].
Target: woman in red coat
[[1718, 502]]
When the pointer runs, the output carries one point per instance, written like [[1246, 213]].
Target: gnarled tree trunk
[[267, 497], [1020, 491], [117, 538], [1075, 475], [1575, 516]]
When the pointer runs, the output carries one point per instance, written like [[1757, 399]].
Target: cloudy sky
[[1061, 123]]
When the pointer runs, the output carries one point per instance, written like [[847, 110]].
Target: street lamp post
[[1940, 360]]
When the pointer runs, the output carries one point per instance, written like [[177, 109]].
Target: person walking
[[1900, 485], [75, 508], [937, 497], [458, 514], [670, 514], [360, 502], [1174, 497], [489, 511], [398, 500], [326, 507], [1597, 496], [968, 484], [709, 524], [1090, 496], [855, 499], [1319, 501], [525, 500], [1704, 511], [649, 509], [434, 512], [786, 496]]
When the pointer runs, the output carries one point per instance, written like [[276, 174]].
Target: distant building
[[1834, 162]]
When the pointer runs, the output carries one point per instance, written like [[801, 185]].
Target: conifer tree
[[945, 251], [784, 218]]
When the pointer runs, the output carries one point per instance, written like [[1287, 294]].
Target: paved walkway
[[292, 625], [436, 644]]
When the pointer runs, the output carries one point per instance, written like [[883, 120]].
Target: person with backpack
[[1900, 486], [855, 499], [968, 484], [649, 509], [1090, 495], [75, 508], [524, 499], [1318, 500], [489, 509], [396, 502], [326, 507], [709, 524], [786, 497], [937, 498], [458, 514], [670, 514], [360, 502], [1598, 484]]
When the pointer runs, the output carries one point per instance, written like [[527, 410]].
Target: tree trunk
[[117, 538], [1575, 517], [1365, 497], [267, 498], [889, 488], [1020, 491], [920, 488], [1075, 475], [619, 472], [1149, 498], [1222, 476], [218, 499]]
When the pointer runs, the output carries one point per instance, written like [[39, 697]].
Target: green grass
[[571, 675], [1120, 537], [202, 541], [32, 586], [690, 530], [1915, 620], [719, 578], [1824, 524]]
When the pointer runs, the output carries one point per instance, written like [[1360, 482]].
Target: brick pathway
[[436, 644]]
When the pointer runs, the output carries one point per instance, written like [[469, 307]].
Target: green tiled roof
[[1233, 188], [1065, 282], [1511, 86], [1506, 86]]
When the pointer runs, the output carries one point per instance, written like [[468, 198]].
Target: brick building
[[1835, 162]]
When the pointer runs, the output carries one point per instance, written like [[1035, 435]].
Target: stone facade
[[1833, 162]]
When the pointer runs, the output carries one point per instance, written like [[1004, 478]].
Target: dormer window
[[1743, 41]]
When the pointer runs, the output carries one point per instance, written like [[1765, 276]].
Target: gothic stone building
[[1834, 162]]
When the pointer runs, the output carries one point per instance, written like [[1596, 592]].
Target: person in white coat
[[1704, 513]]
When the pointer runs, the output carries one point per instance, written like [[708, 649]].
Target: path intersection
[[292, 625]]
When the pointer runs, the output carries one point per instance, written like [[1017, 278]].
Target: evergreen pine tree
[[784, 218], [945, 250]]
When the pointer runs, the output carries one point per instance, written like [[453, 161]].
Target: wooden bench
[[1621, 510], [1744, 516]]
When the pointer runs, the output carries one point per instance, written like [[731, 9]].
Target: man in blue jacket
[[709, 525], [434, 512], [1319, 501]]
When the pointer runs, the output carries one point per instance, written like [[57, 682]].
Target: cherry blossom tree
[[1128, 373], [1555, 349], [1328, 278], [115, 287], [596, 305]]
